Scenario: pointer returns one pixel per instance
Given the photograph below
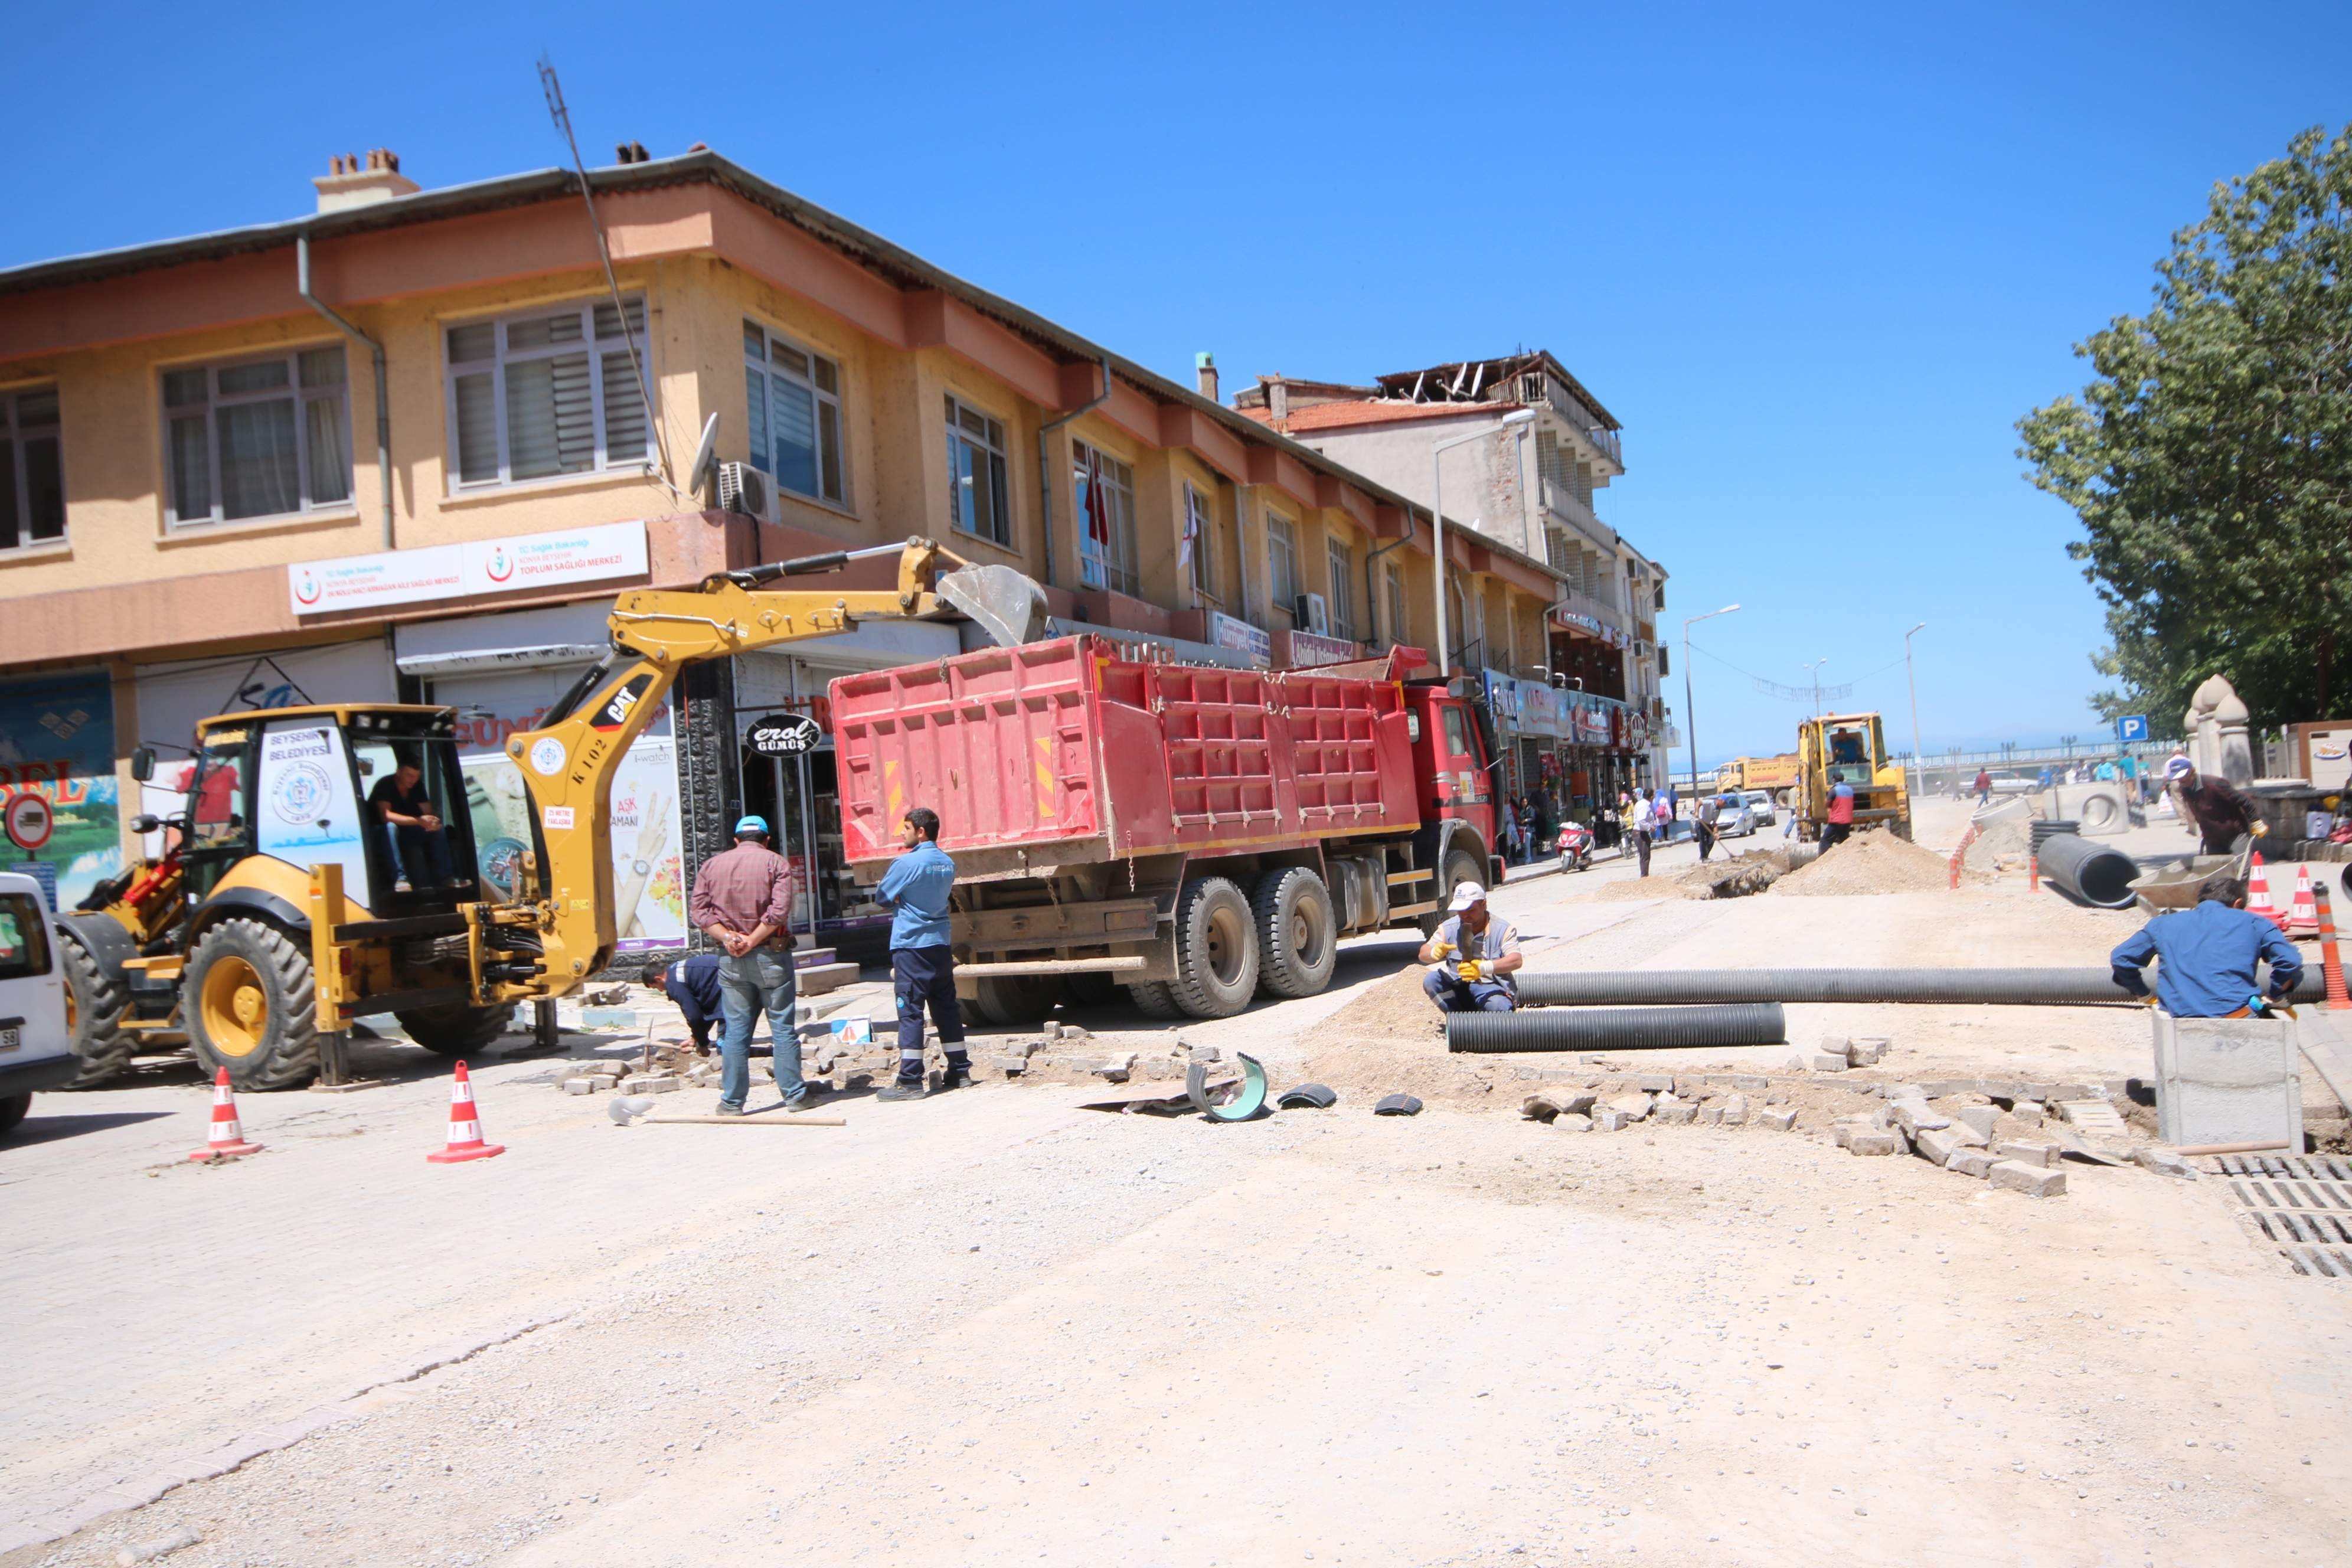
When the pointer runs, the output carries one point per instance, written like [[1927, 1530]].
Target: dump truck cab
[[1850, 749]]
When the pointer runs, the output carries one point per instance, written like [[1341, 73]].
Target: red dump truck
[[1198, 834]]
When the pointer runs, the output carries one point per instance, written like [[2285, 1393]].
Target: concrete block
[[1824, 1058], [1937, 1145], [2226, 1080], [1654, 1083], [1781, 1119], [1546, 1104], [651, 1083], [585, 1085], [2029, 1151], [1980, 1117], [2028, 1112], [1571, 1121], [1968, 1137], [1753, 1082], [1914, 1117], [1868, 1050], [1631, 1107], [1969, 1162], [1710, 1116], [1605, 1120], [1865, 1141], [1009, 1066], [2165, 1162], [1673, 1111], [1735, 1110], [2033, 1181]]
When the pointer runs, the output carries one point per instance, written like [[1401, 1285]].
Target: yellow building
[[410, 444]]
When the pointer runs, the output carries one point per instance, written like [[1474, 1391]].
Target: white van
[[36, 1046]]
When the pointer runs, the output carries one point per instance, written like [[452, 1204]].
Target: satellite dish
[[705, 469]]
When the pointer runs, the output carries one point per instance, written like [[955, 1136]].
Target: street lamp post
[[1437, 517], [1690, 712], [1815, 668], [1918, 762]]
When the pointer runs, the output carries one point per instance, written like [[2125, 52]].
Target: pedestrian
[[922, 966], [743, 902], [1837, 825], [1476, 953], [2206, 956], [1704, 817], [1510, 832], [1984, 788], [2225, 816], [1645, 825], [1788, 822], [693, 984], [2041, 781]]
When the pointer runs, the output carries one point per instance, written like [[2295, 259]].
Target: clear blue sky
[[1818, 261]]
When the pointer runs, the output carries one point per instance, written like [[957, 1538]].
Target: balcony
[[1562, 504], [1584, 424], [1578, 602]]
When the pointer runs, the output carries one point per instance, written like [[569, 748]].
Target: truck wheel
[[1458, 866], [1091, 988], [458, 1030], [252, 1006], [1019, 999], [95, 1003], [11, 1111], [1216, 949], [1297, 932], [1154, 1000]]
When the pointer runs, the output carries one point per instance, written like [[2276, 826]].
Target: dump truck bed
[[1071, 751]]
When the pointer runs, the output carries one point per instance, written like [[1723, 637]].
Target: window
[[23, 937], [795, 407], [258, 437], [32, 478], [551, 393], [1396, 604], [1103, 565], [1343, 598], [976, 486], [1282, 562], [1200, 529]]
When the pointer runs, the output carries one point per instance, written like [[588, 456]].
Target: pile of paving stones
[[1969, 1136], [1707, 1099], [1068, 1053]]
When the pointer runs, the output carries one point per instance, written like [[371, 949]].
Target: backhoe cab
[[1849, 749]]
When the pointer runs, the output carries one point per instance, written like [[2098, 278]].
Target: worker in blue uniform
[[922, 967], [2206, 957]]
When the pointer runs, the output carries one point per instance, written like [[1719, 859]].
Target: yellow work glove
[[1471, 970], [2262, 829], [1441, 947]]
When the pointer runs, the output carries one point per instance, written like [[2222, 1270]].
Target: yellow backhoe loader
[[1849, 749], [279, 914]]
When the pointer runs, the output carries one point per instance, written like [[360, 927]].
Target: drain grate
[[2300, 1204]]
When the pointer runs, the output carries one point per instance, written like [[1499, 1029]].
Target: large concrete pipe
[[2090, 872], [1687, 987], [1615, 1028]]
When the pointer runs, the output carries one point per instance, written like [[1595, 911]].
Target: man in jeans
[[922, 966], [743, 902]]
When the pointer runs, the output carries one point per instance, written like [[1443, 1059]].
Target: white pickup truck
[[36, 1045]]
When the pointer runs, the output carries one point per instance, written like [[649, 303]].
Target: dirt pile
[[1874, 862], [1734, 876]]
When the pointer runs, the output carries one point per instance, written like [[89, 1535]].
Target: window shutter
[[624, 411]]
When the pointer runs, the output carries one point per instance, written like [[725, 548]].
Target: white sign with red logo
[[481, 567], [30, 821], [1308, 649]]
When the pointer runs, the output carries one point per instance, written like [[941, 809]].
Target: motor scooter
[[1575, 846]]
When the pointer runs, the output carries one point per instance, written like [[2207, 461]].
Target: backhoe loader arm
[[548, 942]]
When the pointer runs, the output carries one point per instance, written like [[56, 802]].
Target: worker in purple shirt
[[743, 902], [693, 984]]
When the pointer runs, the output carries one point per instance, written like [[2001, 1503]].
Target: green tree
[[2211, 461]]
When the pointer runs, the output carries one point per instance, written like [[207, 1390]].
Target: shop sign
[[784, 735], [1503, 696], [58, 780], [1539, 710], [1240, 637], [1307, 649], [1591, 725], [478, 566]]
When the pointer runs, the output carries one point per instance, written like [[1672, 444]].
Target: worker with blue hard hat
[[743, 902]]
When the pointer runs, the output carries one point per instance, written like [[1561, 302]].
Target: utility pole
[[1918, 758], [1690, 710], [1815, 668]]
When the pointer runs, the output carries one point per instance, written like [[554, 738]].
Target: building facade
[[408, 447], [1518, 448]]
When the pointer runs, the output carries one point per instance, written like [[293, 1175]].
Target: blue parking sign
[[2133, 727]]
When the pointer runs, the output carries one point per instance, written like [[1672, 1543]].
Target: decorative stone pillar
[[2216, 724]]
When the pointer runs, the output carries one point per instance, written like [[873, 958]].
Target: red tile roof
[[1340, 415]]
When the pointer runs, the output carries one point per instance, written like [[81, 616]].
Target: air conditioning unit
[[744, 489], [1311, 614]]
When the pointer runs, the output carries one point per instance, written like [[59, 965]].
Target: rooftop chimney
[[349, 183], [1277, 398], [1204, 371]]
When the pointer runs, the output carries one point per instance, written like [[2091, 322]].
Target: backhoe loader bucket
[[1007, 604]]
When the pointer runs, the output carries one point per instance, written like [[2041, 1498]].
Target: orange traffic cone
[[226, 1139], [464, 1126], [2303, 915], [2258, 893], [2331, 966]]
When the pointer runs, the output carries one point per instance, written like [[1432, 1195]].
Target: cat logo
[[623, 702]]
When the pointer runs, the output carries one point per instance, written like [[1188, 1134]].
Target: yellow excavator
[[279, 914], [1849, 749]]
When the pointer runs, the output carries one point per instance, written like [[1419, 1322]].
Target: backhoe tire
[[252, 1005], [456, 1030], [1019, 1000], [1216, 949], [1154, 1000], [1458, 866], [1297, 932], [95, 1003]]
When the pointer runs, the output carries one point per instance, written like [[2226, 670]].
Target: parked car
[[36, 1047], [1737, 820], [1759, 801], [2010, 781]]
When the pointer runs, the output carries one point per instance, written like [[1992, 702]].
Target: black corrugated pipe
[[1687, 987], [2091, 872], [1615, 1028]]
